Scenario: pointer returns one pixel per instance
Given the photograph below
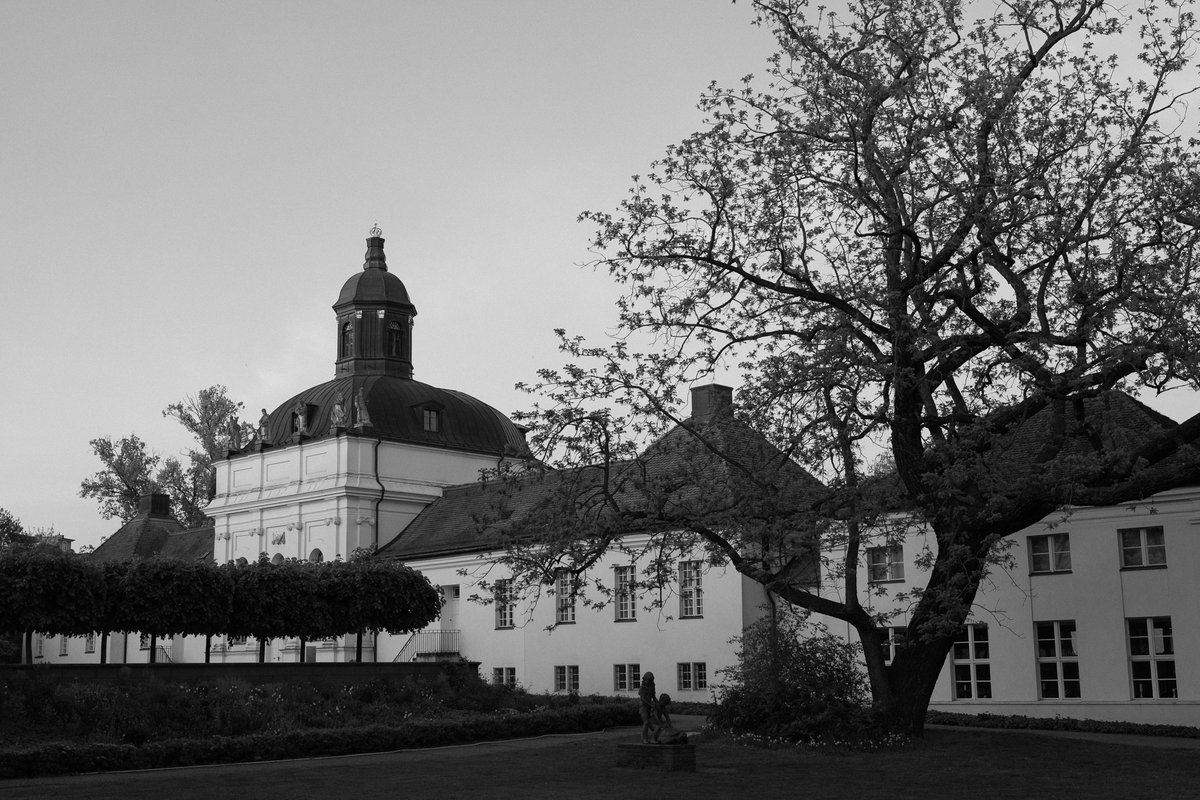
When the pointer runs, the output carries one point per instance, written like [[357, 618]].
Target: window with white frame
[[970, 661], [1152, 657], [885, 563], [625, 601], [1143, 547], [39, 645], [896, 637], [691, 589], [691, 675], [62, 645], [144, 642], [504, 676], [627, 677], [1050, 553], [564, 590], [566, 678], [502, 592], [1057, 660], [89, 643]]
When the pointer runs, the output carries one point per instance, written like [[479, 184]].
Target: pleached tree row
[[57, 593]]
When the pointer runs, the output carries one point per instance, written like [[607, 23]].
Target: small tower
[[374, 320]]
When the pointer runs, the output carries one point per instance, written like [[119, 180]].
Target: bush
[[796, 682]]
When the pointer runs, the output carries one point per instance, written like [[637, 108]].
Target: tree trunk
[[104, 647], [27, 648], [153, 648], [913, 676], [208, 648], [301, 656], [358, 648], [262, 651]]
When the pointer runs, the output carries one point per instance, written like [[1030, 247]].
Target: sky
[[186, 186]]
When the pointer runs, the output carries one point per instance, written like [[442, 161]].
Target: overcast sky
[[186, 186]]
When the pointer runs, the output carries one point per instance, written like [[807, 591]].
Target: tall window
[[431, 420], [395, 340], [89, 643], [1143, 547], [1050, 553], [691, 589], [691, 675], [347, 339], [626, 603], [1057, 659], [1152, 657], [504, 603], [885, 563], [62, 645], [504, 676], [564, 590], [896, 637], [970, 660], [144, 642], [39, 645], [627, 677], [566, 678]]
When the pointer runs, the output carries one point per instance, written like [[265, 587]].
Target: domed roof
[[396, 408], [374, 284]]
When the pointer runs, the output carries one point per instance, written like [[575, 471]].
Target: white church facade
[[1077, 626]]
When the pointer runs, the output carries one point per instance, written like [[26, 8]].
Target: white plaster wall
[[657, 640], [1098, 595]]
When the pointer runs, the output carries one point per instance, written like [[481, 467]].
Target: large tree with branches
[[941, 251]]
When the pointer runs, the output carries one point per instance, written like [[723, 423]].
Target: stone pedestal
[[669, 757]]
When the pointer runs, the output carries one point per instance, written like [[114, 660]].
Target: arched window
[[277, 558], [347, 340], [395, 339], [316, 557], [241, 562]]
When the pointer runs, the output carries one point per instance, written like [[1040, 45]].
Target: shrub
[[794, 681]]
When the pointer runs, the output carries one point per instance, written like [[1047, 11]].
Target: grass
[[946, 764]]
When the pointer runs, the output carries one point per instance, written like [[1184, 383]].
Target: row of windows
[[689, 676], [395, 340], [1048, 553], [691, 595], [1151, 650], [1140, 548]]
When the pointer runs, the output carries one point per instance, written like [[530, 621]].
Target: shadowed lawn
[[947, 764]]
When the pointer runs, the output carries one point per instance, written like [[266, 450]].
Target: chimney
[[709, 401], [154, 504]]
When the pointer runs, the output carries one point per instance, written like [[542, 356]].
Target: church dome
[[398, 410], [373, 286]]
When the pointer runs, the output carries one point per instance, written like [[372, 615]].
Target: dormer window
[[431, 420], [395, 340], [347, 340]]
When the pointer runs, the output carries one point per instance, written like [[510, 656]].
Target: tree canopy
[[941, 251], [130, 470]]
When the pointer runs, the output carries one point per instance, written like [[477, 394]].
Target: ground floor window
[[896, 637], [627, 677], [62, 645], [89, 643], [1057, 660], [970, 662], [692, 675], [566, 678], [144, 641], [1152, 657], [504, 676]]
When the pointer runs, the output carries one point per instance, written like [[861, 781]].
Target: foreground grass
[[946, 764]]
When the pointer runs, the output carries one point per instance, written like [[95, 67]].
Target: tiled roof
[[153, 535], [678, 474]]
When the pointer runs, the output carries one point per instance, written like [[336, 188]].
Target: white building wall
[[1098, 595], [657, 641]]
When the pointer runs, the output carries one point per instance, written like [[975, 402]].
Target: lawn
[[946, 764]]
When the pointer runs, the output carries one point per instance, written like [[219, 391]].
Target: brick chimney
[[710, 400], [154, 504]]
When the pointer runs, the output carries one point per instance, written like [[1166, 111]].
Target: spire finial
[[375, 230]]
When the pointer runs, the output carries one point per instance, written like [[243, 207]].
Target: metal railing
[[438, 645]]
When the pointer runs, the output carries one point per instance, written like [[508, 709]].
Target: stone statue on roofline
[[361, 418], [337, 418]]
